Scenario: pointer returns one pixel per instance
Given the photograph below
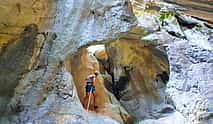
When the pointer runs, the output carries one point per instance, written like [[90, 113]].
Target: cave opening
[[131, 76]]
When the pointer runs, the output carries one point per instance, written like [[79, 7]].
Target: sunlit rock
[[85, 63], [72, 25], [16, 14], [44, 61], [134, 69], [18, 59]]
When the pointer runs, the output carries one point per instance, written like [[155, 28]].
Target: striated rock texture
[[81, 65], [136, 72], [96, 20], [37, 97], [40, 65], [16, 14], [201, 9], [191, 80], [190, 59], [18, 59]]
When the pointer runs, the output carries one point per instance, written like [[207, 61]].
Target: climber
[[90, 88]]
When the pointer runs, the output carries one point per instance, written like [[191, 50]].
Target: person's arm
[[94, 78]]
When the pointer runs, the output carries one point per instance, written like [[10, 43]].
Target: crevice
[[129, 72]]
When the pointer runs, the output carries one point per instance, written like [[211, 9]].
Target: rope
[[89, 98]]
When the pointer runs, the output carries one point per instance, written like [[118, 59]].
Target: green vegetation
[[165, 15], [198, 28]]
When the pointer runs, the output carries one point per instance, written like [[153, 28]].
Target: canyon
[[154, 59]]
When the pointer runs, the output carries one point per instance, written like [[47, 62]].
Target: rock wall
[[189, 50], [39, 96], [16, 14], [38, 36], [22, 35], [136, 71], [80, 66], [196, 8], [18, 60]]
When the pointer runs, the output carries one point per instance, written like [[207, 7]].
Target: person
[[90, 88]]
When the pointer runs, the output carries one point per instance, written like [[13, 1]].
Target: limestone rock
[[134, 68], [201, 9], [40, 82], [184, 84], [175, 118], [101, 54], [37, 98], [85, 63], [17, 60], [16, 14], [78, 28], [148, 22]]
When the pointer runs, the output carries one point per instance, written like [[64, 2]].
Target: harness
[[89, 79], [89, 83]]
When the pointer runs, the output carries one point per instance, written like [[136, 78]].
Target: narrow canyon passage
[[154, 60], [132, 78]]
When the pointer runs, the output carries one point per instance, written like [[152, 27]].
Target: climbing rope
[[89, 99]]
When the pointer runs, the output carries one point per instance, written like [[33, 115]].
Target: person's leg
[[93, 98], [85, 100], [94, 102]]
